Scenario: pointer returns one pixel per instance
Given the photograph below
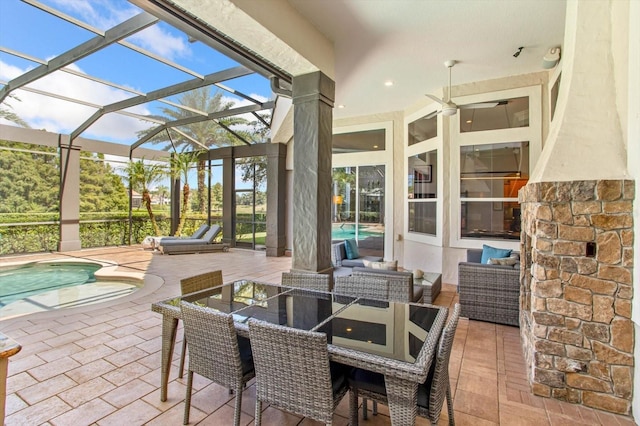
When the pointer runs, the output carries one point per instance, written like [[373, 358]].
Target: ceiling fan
[[449, 107]]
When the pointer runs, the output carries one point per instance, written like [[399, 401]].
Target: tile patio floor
[[100, 364]]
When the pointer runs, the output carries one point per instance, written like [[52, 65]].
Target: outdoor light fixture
[[551, 58], [515, 55]]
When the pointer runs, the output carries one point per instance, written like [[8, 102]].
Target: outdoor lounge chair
[[205, 244], [155, 242]]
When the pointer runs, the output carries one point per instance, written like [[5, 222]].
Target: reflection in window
[[423, 128], [422, 192], [494, 172], [494, 115], [370, 140]]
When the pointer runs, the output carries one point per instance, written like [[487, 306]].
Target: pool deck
[[100, 364]]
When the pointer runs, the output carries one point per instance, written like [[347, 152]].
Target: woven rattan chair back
[[292, 371], [320, 282], [191, 285], [362, 286], [213, 352], [201, 282], [400, 286], [440, 386]]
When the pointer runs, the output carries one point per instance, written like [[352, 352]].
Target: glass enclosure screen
[[490, 177], [251, 202], [422, 192], [494, 115]]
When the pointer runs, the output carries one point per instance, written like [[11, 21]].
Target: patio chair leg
[[365, 415], [238, 406], [182, 357], [353, 407], [450, 406], [258, 415], [374, 410], [187, 399]]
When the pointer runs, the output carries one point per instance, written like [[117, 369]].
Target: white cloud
[[61, 116]]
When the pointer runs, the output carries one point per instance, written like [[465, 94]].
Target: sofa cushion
[[352, 249], [387, 266], [489, 252], [353, 263], [505, 261]]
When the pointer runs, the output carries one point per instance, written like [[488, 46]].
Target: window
[[422, 192], [424, 128], [369, 140], [490, 177], [495, 114]]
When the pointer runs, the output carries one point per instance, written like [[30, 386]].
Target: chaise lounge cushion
[[207, 238]]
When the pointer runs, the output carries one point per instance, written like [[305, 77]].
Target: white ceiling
[[407, 42]]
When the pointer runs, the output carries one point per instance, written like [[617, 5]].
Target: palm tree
[[141, 176], [181, 163], [207, 133], [12, 116]]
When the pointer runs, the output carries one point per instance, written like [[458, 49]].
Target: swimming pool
[[34, 278], [45, 286]]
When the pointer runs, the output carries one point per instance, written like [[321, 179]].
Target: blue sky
[[36, 33]]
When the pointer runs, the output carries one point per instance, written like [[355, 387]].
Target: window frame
[[433, 144], [373, 158]]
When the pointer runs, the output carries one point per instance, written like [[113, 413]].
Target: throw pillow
[[489, 252], [387, 266], [352, 249], [504, 261]]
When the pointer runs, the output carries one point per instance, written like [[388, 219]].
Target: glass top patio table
[[398, 340]]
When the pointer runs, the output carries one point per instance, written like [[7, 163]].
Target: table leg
[[402, 396], [169, 329]]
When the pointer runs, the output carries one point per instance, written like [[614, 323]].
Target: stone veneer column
[[313, 96], [576, 291]]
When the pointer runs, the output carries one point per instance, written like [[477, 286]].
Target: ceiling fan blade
[[483, 105], [435, 98]]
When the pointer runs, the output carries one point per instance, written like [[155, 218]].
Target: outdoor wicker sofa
[[489, 292]]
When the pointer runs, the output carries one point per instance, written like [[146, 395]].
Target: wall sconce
[[551, 58]]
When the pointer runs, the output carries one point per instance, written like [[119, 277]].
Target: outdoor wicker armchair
[[431, 393], [216, 352], [191, 285], [320, 282], [293, 372]]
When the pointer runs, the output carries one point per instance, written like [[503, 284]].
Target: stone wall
[[576, 290]]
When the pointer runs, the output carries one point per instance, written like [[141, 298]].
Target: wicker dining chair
[[320, 282], [293, 372], [431, 393], [216, 352], [191, 285], [368, 287]]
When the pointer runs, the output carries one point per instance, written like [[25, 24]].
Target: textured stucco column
[[276, 196], [313, 96], [69, 195]]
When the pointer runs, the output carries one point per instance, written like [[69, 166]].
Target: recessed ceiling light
[[348, 330], [340, 106], [375, 147], [388, 83]]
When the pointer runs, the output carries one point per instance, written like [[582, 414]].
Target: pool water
[[32, 279], [347, 231]]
